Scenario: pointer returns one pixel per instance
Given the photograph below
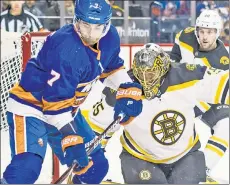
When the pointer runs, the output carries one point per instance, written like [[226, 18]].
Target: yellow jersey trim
[[220, 140], [181, 86], [205, 61], [95, 128], [205, 105], [105, 75], [150, 158], [214, 149], [18, 91], [220, 88], [186, 46]]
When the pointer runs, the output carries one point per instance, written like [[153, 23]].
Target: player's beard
[[89, 33], [207, 46], [90, 40]]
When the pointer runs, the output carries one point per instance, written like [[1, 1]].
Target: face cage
[[151, 89]]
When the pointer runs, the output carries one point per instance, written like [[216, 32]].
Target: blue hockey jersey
[[59, 79]]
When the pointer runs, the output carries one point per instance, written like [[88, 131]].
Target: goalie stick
[[91, 147]]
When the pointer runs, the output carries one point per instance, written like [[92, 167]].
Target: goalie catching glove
[[74, 149], [128, 101]]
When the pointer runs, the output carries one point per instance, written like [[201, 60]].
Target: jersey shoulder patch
[[191, 67], [182, 73], [189, 29], [110, 40], [188, 37], [224, 60]]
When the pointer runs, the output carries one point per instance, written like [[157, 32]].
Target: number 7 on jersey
[[56, 76]]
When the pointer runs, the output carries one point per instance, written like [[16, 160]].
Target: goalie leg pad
[[189, 170], [138, 171], [24, 168], [97, 172]]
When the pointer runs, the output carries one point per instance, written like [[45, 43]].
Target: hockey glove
[[128, 101], [74, 149]]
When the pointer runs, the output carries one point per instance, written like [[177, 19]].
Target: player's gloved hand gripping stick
[[128, 101], [91, 147]]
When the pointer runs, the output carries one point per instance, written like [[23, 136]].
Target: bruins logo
[[189, 29], [167, 127], [224, 60], [191, 67], [145, 175]]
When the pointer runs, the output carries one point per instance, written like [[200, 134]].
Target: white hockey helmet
[[209, 19]]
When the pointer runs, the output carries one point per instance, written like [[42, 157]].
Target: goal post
[[16, 50]]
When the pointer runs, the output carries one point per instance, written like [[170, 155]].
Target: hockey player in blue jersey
[[44, 107]]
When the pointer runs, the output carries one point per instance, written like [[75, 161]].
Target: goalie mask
[[150, 64]]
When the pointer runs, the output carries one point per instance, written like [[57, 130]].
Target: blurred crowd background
[[136, 21]]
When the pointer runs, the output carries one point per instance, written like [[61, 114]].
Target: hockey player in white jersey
[[201, 45], [44, 107], [160, 146]]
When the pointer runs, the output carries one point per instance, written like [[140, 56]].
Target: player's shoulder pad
[[219, 57], [182, 72], [222, 49], [111, 39], [66, 46], [188, 36], [188, 31]]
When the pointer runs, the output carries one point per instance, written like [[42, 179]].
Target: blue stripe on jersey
[[130, 144], [218, 145], [225, 92]]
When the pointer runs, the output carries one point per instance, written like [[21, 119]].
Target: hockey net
[[16, 49]]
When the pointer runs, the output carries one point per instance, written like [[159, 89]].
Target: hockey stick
[[91, 147]]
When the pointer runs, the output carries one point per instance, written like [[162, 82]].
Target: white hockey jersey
[[164, 131], [186, 50]]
